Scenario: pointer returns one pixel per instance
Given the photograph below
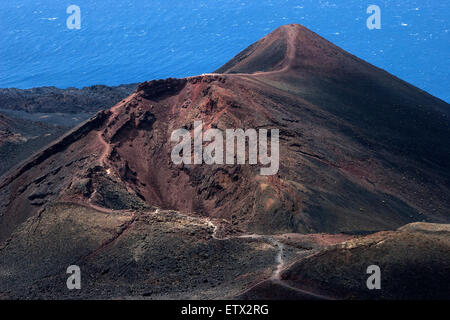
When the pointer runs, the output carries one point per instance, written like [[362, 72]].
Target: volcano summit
[[362, 154]]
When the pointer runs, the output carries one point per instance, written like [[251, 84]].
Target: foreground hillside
[[414, 262], [156, 254]]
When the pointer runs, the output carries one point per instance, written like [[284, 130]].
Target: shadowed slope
[[414, 263]]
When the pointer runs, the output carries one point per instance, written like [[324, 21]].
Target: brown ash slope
[[360, 151]]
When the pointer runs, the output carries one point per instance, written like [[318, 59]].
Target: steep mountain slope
[[360, 151]]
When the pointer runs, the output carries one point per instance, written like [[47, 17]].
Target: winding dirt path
[[106, 150], [290, 57], [280, 262]]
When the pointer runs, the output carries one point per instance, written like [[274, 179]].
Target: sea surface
[[133, 40]]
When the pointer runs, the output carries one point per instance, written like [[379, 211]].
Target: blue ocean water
[[134, 40]]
